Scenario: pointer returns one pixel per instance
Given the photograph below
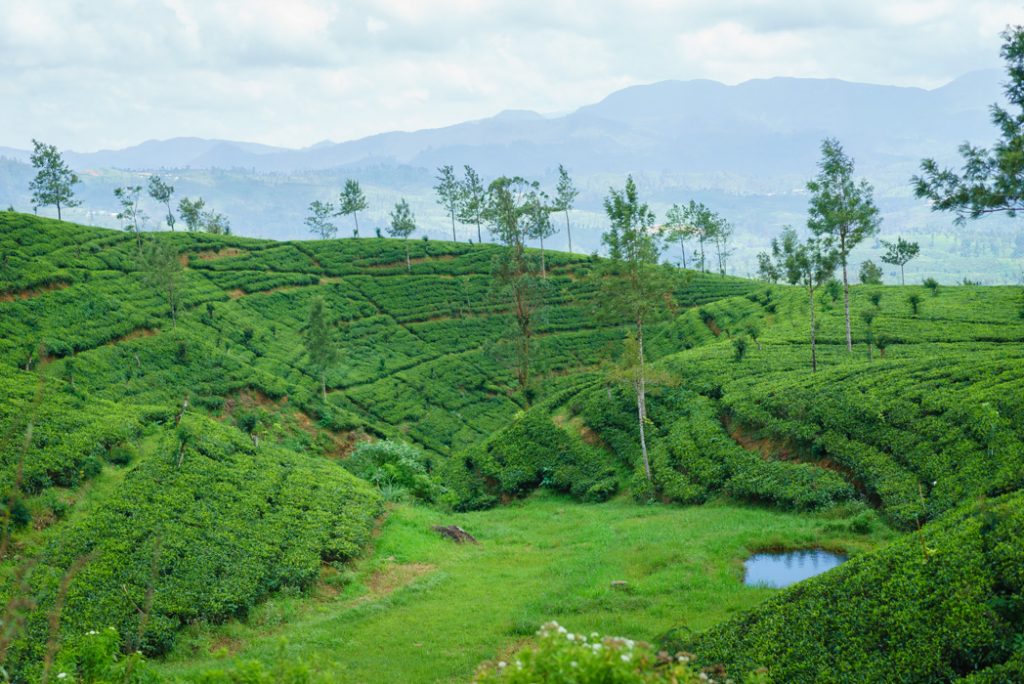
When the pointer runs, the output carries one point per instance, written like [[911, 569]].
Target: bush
[[933, 285], [561, 656], [397, 468]]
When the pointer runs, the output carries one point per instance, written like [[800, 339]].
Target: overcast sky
[[92, 74]]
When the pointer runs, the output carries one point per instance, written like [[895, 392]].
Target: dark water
[[789, 567]]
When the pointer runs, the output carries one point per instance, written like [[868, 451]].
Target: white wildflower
[[502, 664], [570, 636], [625, 657]]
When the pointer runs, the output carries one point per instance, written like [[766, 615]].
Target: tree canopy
[[54, 182]]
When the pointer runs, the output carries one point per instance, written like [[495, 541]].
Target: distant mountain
[[761, 127]]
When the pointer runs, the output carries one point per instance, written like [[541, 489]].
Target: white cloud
[[113, 73]]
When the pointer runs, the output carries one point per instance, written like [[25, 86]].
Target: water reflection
[[789, 567]]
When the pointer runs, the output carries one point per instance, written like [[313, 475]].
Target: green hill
[[165, 473]]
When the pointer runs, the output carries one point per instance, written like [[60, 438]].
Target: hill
[[165, 476]]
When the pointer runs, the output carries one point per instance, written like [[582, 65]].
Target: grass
[[422, 609]]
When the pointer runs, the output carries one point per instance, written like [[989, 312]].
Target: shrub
[[397, 468], [739, 348], [914, 300], [870, 273], [933, 285]]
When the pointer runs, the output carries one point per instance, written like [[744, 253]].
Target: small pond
[[788, 567]]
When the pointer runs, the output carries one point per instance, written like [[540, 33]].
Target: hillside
[[181, 480]]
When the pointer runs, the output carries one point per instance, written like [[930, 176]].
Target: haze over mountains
[[747, 150], [770, 126]]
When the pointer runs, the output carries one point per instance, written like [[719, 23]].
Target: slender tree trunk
[[567, 231], [846, 295], [814, 348], [453, 226], [682, 250], [543, 266], [479, 235], [902, 279], [355, 215], [702, 262], [641, 399], [58, 212]]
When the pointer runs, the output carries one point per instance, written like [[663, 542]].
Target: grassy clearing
[[423, 609]]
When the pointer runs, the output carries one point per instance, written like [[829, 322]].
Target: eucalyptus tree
[[403, 223], [809, 263], [472, 195], [541, 226], [54, 182], [319, 219], [510, 212], [899, 253], [678, 228], [351, 201], [131, 215], [991, 180], [162, 269], [191, 212], [722, 237], [633, 286], [565, 197], [842, 212], [448, 193], [162, 192]]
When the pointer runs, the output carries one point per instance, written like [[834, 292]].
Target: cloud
[[110, 74]]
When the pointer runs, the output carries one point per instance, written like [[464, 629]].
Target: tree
[[472, 195], [448, 193], [842, 212], [215, 223], [162, 192], [191, 212], [899, 253], [403, 223], [991, 181], [319, 219], [767, 270], [162, 269], [809, 263], [634, 286], [320, 350], [677, 228], [870, 273], [509, 211], [541, 227], [55, 182], [132, 216], [352, 201], [565, 197], [693, 220], [722, 236]]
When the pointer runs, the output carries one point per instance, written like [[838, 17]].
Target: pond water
[[788, 567]]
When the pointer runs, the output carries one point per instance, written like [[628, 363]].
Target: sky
[[102, 74]]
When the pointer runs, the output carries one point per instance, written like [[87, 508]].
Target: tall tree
[[191, 212], [634, 286], [132, 216], [899, 253], [541, 226], [722, 236], [842, 212], [678, 229], [54, 183], [320, 349], [162, 270], [448, 193], [509, 211], [472, 196], [351, 201], [767, 269], [809, 263], [403, 223], [565, 197], [319, 219], [991, 181], [693, 220], [162, 192]]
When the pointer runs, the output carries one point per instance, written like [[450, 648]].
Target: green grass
[[540, 559]]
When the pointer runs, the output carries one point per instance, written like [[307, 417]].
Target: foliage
[[191, 212], [990, 180], [565, 196], [54, 182], [870, 273], [449, 193], [319, 220], [899, 253], [160, 191], [320, 349], [562, 656], [351, 201], [393, 465]]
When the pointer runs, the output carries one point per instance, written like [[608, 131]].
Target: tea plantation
[[172, 477]]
